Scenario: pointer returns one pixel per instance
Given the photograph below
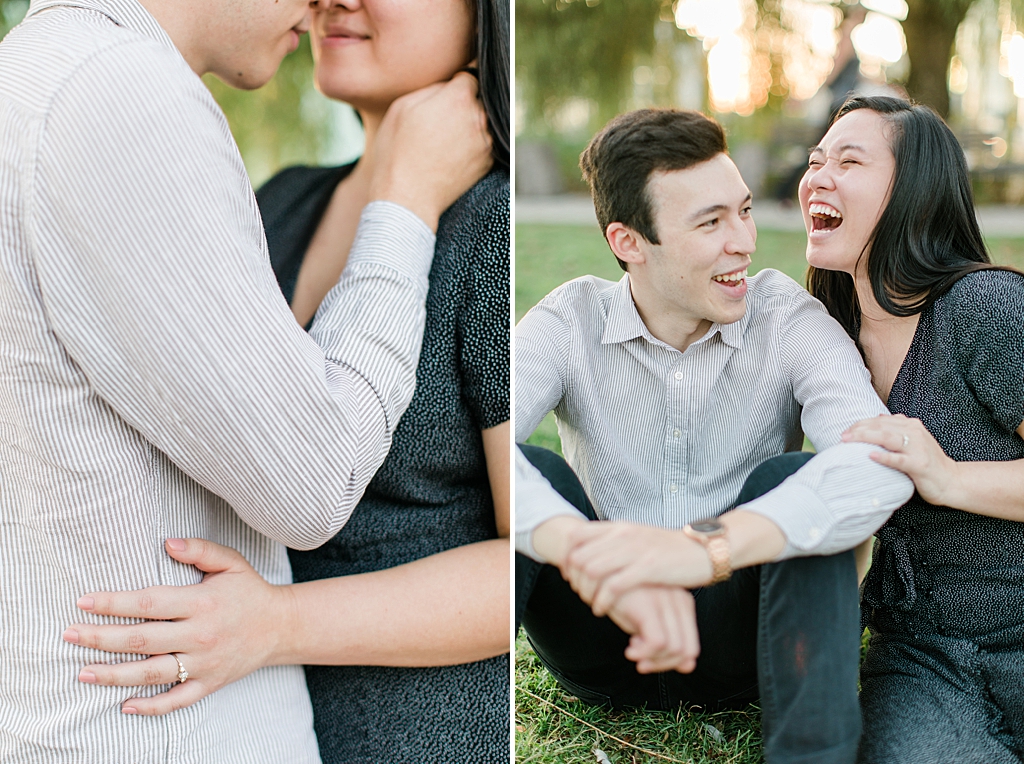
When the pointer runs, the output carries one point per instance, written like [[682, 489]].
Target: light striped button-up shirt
[[154, 384], [666, 438]]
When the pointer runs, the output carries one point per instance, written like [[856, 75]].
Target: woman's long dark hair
[[492, 54], [927, 236]]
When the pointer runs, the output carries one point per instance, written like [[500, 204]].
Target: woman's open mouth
[[824, 217]]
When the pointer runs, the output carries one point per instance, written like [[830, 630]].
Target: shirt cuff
[[392, 236], [801, 514], [536, 503]]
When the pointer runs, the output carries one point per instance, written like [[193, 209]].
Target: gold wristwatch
[[711, 535]]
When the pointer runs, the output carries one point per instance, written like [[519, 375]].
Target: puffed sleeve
[[485, 324], [988, 321]]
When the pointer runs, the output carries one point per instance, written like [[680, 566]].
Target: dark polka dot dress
[[943, 680], [432, 492]]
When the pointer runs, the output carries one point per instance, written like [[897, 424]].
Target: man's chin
[[250, 77], [734, 314]]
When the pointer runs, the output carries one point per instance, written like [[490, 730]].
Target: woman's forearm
[[449, 608], [995, 489]]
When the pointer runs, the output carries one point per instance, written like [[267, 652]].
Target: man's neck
[[667, 323], [182, 20]]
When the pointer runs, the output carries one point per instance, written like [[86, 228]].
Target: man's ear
[[626, 243]]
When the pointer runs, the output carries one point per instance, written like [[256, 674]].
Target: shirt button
[[673, 488], [676, 433], [874, 502], [679, 375], [813, 533]]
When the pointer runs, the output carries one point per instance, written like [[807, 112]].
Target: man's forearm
[[834, 502], [373, 320]]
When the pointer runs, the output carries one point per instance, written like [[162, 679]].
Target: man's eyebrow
[[714, 208]]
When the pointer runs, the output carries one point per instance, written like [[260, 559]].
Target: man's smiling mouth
[[730, 278]]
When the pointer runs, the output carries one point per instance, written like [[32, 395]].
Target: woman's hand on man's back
[[220, 630]]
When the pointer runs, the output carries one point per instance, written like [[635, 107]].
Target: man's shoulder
[[75, 47], [773, 292], [581, 298]]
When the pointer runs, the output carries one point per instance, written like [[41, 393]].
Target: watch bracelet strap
[[717, 548]]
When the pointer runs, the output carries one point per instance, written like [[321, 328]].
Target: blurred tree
[[930, 29], [581, 49]]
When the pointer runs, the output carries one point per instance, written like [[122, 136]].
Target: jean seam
[[766, 678]]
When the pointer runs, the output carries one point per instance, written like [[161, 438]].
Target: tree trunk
[[930, 30]]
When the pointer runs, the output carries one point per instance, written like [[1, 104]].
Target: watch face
[[707, 526]]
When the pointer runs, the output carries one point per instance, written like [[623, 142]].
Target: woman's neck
[[884, 339], [873, 317]]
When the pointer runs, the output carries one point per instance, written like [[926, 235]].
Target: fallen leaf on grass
[[715, 733], [602, 757]]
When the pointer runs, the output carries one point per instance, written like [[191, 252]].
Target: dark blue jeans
[[785, 634]]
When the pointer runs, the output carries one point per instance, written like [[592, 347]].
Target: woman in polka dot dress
[[897, 257]]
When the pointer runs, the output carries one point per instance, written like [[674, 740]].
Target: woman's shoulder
[[294, 187], [983, 293], [485, 205]]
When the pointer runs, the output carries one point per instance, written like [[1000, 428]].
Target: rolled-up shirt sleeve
[[154, 276], [536, 503], [842, 496], [542, 350]]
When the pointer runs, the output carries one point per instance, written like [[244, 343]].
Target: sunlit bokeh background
[[284, 123], [763, 67]]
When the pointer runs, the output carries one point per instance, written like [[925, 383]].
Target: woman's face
[[370, 52], [845, 189]]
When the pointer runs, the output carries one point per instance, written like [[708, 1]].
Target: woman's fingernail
[[71, 636], [178, 545], [128, 710], [87, 676], [86, 603]]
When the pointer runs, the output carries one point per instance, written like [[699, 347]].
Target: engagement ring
[[182, 673]]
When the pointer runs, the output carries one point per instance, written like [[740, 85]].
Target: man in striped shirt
[[153, 382], [670, 387]]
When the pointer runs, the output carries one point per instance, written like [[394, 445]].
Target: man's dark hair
[[620, 159], [927, 237]]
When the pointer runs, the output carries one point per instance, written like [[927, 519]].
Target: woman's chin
[[822, 258]]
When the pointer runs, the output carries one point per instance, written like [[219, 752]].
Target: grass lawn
[[551, 726]]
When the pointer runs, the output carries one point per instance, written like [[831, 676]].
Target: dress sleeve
[[988, 322], [486, 324]]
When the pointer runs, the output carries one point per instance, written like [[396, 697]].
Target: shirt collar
[[624, 322], [126, 13]]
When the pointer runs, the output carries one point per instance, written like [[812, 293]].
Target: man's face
[[702, 217], [254, 37]]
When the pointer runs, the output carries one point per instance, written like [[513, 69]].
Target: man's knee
[[560, 475], [771, 473]]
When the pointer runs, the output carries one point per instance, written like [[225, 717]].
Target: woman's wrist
[[283, 628], [955, 492]]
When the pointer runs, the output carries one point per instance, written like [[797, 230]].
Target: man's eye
[[709, 223]]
